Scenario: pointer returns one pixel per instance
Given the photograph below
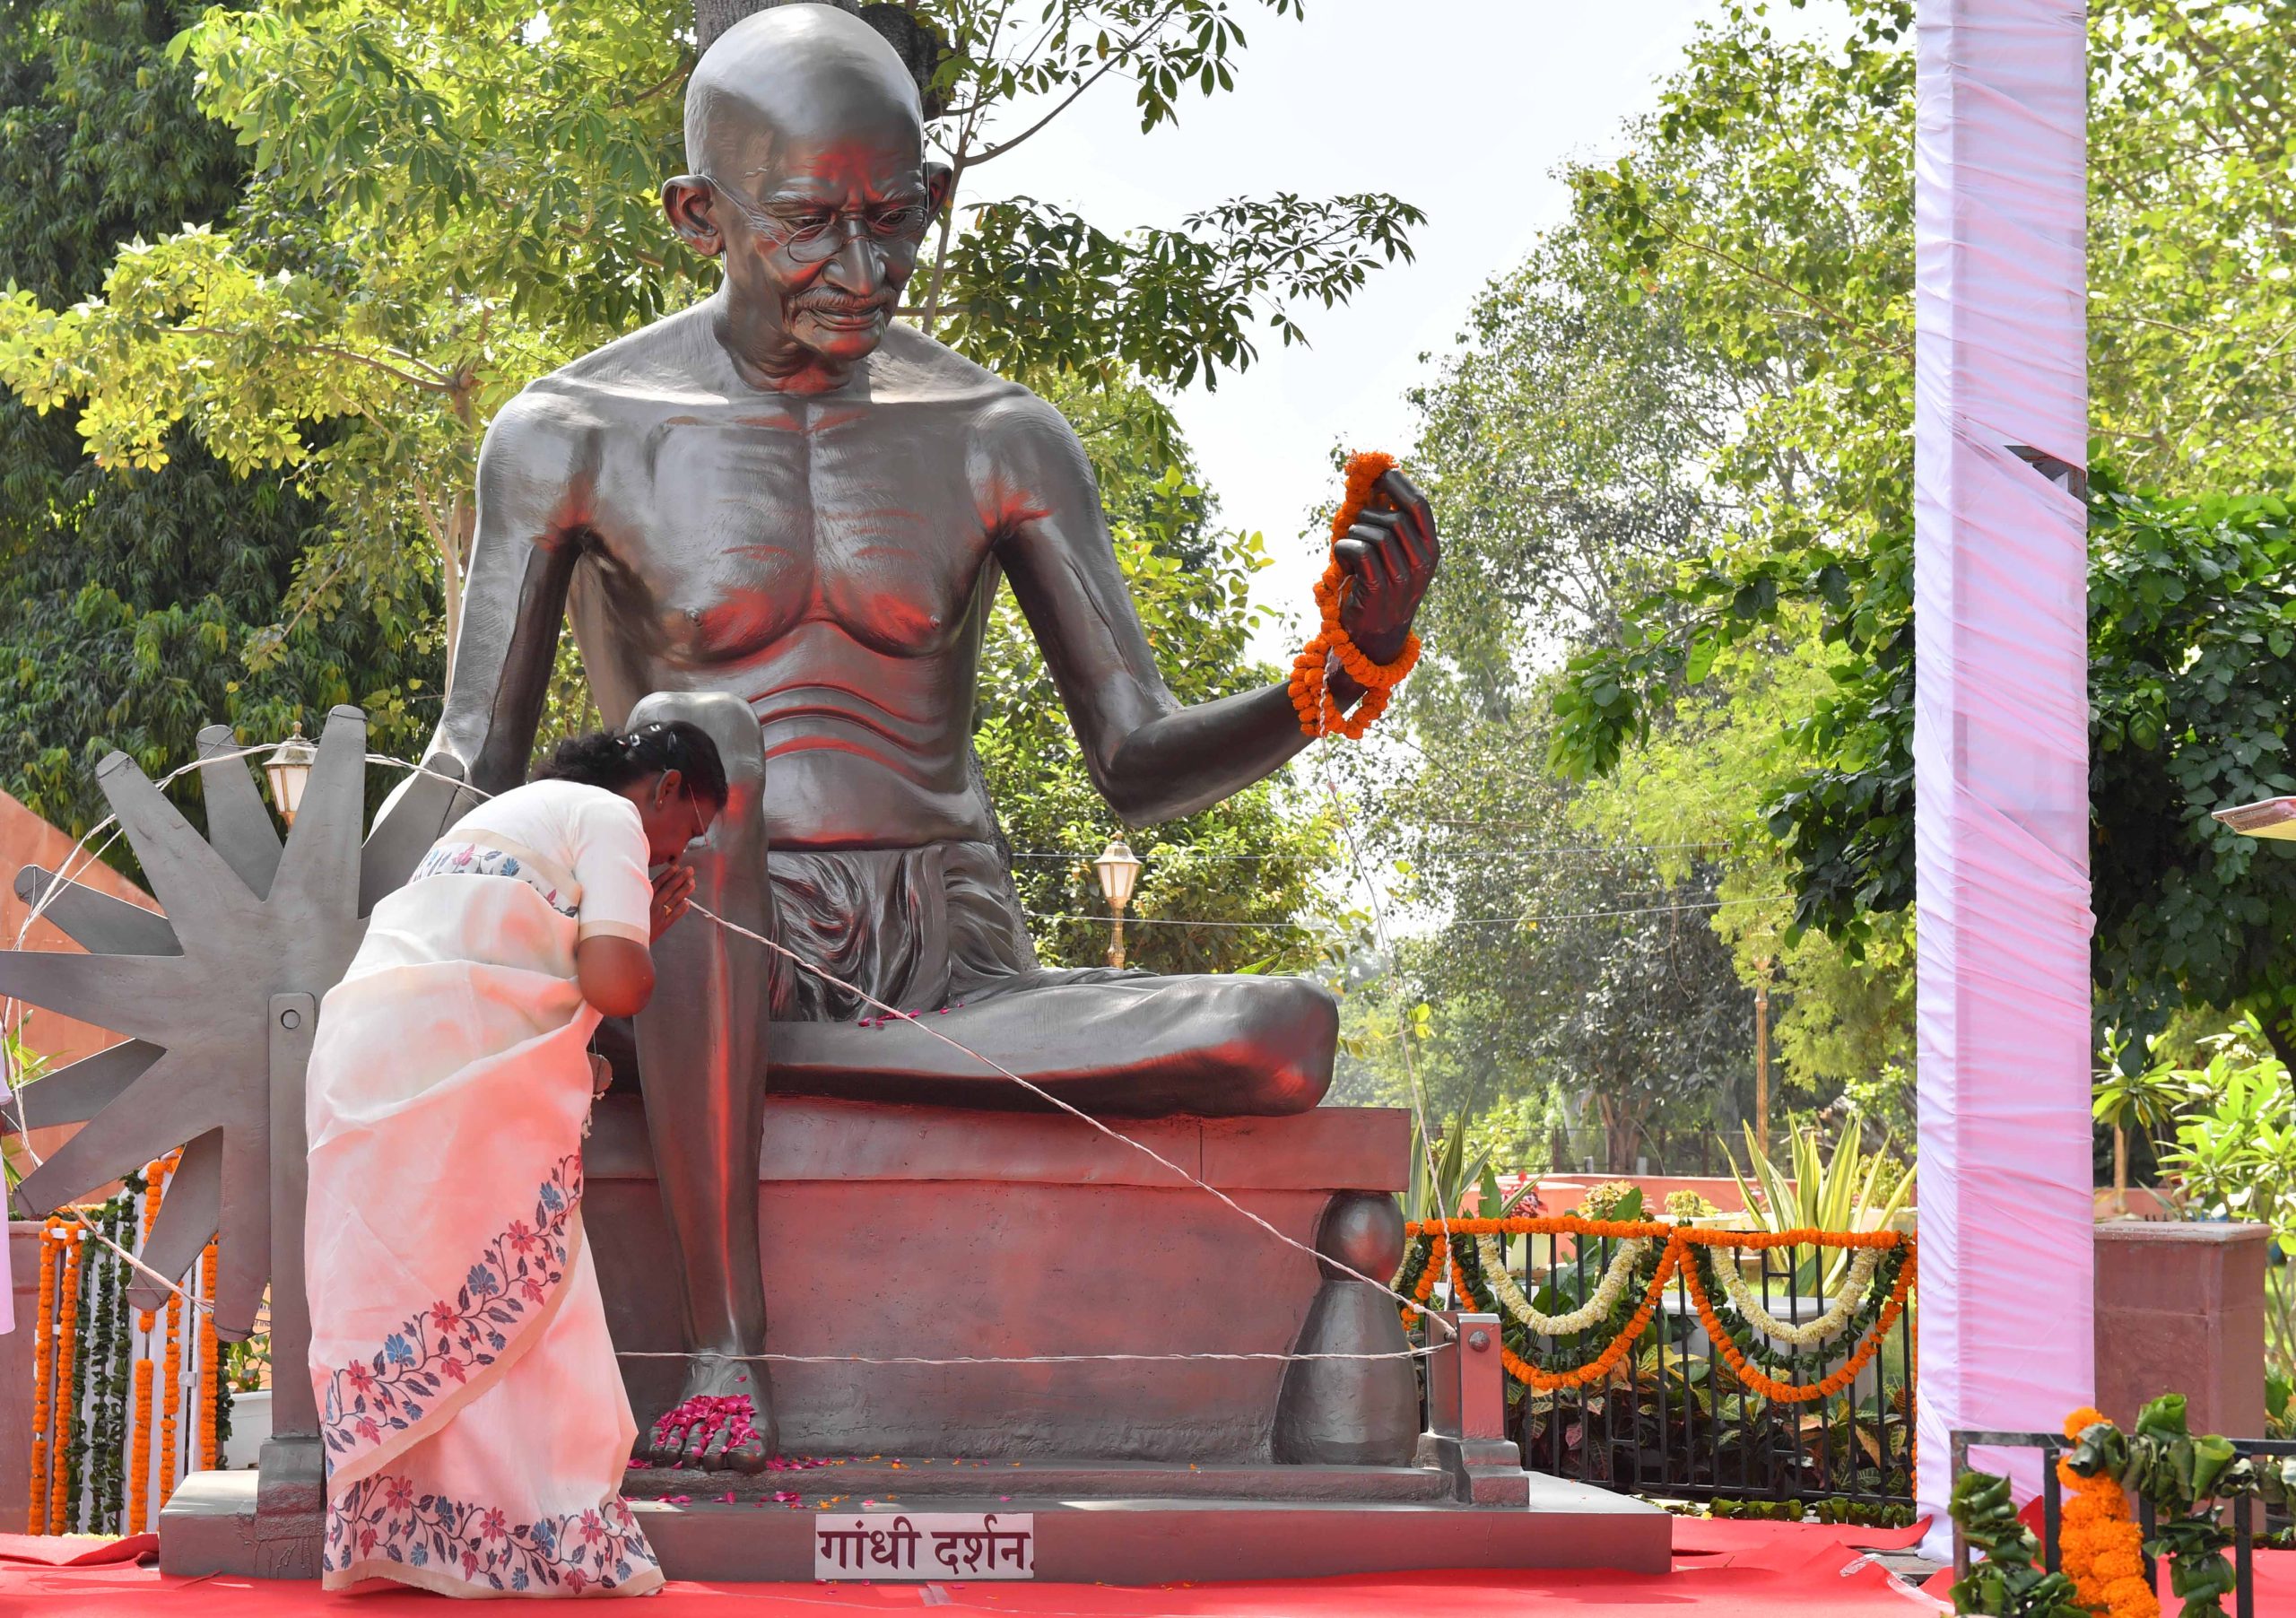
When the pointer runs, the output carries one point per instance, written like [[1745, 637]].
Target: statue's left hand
[[1390, 558]]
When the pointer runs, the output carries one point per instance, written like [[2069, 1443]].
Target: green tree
[[1029, 284], [1726, 206], [453, 196], [127, 601], [1576, 974], [1842, 1022]]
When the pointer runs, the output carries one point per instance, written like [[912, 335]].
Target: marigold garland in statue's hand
[[1319, 712]]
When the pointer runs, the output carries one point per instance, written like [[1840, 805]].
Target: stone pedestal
[[895, 1231], [2180, 1310]]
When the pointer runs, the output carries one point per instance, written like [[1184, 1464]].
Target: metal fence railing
[[1819, 1409]]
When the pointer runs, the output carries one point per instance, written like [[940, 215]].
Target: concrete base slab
[[1089, 1534], [893, 1481], [208, 1526]]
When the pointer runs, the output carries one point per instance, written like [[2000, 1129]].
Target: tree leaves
[[1770, 203], [1031, 285]]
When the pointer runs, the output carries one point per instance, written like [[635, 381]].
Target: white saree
[[470, 1402]]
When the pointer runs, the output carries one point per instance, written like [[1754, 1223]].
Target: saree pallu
[[470, 1402]]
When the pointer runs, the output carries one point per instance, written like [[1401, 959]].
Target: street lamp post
[[1119, 868], [289, 767], [1762, 1051]]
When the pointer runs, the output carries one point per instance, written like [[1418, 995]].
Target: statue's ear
[[690, 203], [939, 177]]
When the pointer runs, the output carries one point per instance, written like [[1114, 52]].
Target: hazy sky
[[1461, 107]]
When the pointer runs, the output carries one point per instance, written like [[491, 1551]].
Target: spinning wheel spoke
[[238, 824], [148, 1120], [403, 832], [186, 876], [75, 1094], [187, 1219], [318, 875], [97, 922], [144, 997], [244, 1239]]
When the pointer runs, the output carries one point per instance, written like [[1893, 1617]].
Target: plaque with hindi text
[[923, 1545]]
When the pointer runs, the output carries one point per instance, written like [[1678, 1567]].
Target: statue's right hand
[[1390, 558]]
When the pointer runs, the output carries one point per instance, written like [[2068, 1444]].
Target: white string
[[1411, 1084], [1189, 856], [56, 886], [1042, 1094], [665, 1354], [1456, 921], [12, 1013]]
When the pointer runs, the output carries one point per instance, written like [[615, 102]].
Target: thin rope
[[1459, 921], [665, 1354], [12, 1011], [1187, 855], [1411, 1084], [1042, 1094]]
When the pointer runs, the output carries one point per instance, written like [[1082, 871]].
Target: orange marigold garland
[[1319, 711], [2103, 1545], [43, 1377], [1599, 1369], [1677, 1256], [1756, 1380], [60, 1410], [139, 1467], [155, 1176], [209, 1441], [170, 1396], [1438, 1251]]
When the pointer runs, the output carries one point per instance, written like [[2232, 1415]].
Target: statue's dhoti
[[920, 929], [938, 930]]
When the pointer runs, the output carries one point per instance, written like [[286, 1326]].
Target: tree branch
[[438, 381], [1788, 287], [1115, 60]]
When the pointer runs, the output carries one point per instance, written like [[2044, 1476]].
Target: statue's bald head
[[808, 75]]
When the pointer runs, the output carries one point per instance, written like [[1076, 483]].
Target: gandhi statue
[[782, 505]]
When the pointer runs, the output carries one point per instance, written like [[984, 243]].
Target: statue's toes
[[747, 1456], [669, 1449], [712, 1452]]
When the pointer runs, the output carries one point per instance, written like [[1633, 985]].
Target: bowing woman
[[471, 1408]]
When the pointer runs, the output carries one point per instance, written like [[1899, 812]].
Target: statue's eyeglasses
[[812, 235]]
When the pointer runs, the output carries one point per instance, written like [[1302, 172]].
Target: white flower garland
[[1803, 1336], [1598, 1309]]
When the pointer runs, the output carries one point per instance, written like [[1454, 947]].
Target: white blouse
[[586, 840]]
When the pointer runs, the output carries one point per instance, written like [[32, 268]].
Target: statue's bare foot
[[723, 1420]]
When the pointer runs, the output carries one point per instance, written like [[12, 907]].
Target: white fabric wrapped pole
[[2001, 725]]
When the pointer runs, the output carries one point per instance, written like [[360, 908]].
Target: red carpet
[[74, 1550], [1722, 1570]]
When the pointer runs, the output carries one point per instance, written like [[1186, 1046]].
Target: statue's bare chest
[[721, 535]]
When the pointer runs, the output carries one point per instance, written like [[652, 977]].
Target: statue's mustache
[[842, 303]]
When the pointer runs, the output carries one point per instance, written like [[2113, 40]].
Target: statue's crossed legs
[[1115, 1045]]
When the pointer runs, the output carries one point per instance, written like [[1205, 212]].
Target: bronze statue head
[[806, 143]]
